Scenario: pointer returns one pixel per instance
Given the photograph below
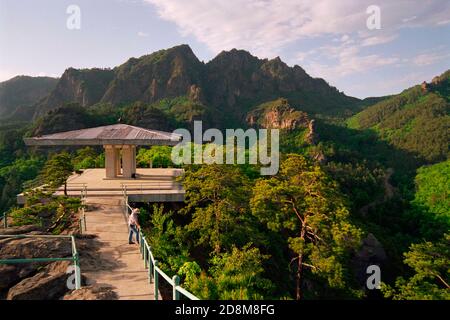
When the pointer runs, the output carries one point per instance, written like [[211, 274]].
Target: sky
[[363, 47]]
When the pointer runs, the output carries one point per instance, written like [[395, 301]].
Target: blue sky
[[328, 38]]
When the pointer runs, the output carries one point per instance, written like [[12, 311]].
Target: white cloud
[[430, 58], [142, 34], [264, 27], [377, 40], [346, 60]]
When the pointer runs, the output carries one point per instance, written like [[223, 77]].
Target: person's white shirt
[[133, 218]]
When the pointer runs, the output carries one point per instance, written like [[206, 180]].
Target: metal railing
[[4, 217], [74, 258], [82, 219], [152, 266]]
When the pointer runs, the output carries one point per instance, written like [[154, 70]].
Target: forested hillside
[[19, 94], [417, 120]]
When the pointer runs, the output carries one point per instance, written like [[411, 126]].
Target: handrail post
[[150, 265], [145, 253], [5, 220], [77, 272], [176, 282], [155, 284]]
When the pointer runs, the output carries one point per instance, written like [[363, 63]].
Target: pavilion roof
[[117, 134]]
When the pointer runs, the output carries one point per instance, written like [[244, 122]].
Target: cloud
[[345, 60], [142, 34], [264, 27], [377, 40], [429, 58]]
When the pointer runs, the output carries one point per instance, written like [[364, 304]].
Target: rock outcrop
[[11, 275], [48, 284], [277, 114], [95, 292], [228, 84]]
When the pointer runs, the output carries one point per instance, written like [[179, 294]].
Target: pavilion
[[120, 172], [118, 140]]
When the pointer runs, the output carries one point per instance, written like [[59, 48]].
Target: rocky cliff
[[229, 85]]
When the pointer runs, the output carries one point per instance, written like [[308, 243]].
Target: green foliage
[[157, 156], [88, 158], [304, 202], [433, 190], [416, 120], [57, 169], [430, 281], [14, 175], [357, 181], [237, 275], [166, 241], [56, 214], [68, 117], [216, 196]]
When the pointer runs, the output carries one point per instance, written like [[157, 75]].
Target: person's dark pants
[[134, 230]]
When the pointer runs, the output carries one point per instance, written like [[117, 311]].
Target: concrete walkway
[[119, 263]]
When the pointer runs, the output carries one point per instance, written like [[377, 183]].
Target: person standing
[[133, 222]]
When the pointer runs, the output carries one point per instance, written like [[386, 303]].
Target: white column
[[110, 161], [127, 161]]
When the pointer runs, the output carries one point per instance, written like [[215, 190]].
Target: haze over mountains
[[21, 92]]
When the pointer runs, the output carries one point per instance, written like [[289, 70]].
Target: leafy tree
[[237, 275], [57, 169], [303, 202], [431, 280], [217, 197], [158, 156], [166, 241], [432, 184]]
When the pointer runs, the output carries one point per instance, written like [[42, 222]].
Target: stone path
[[119, 264]]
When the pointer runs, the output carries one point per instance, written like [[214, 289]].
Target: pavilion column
[[134, 158], [110, 161], [128, 160], [118, 164]]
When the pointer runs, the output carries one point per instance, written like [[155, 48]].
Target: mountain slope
[[22, 92], [417, 120], [230, 85]]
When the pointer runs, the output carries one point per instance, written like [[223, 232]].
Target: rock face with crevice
[[48, 284], [43, 280], [277, 114], [12, 248]]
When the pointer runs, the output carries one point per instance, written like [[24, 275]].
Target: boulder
[[94, 292], [48, 284], [11, 248]]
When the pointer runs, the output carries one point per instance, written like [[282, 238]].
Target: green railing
[[82, 219], [4, 217], [154, 272], [74, 258]]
